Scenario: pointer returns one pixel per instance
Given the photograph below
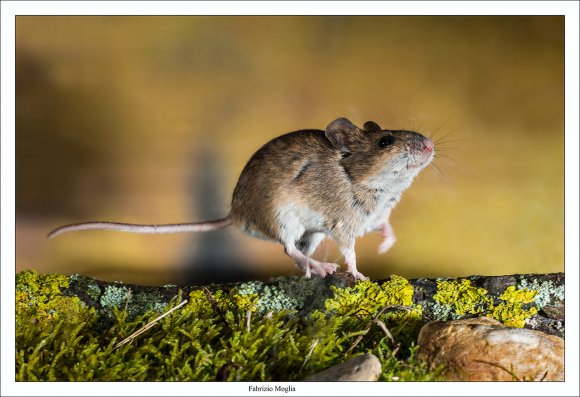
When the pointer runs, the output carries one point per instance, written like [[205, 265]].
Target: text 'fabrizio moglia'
[[285, 389]]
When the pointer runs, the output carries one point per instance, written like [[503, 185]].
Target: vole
[[306, 185]]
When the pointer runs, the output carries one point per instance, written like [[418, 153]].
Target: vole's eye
[[386, 141]]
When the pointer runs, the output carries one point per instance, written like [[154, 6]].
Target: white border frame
[[9, 9]]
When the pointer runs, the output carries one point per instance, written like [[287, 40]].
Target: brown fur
[[305, 168], [307, 185]]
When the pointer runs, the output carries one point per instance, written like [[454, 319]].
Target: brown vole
[[307, 185]]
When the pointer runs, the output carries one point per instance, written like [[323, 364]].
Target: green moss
[[224, 336], [38, 286], [46, 321], [39, 299]]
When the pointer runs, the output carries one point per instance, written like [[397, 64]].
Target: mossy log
[[440, 299], [461, 298], [70, 327]]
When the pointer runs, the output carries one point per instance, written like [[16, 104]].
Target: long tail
[[133, 228]]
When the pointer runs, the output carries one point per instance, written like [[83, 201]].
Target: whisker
[[441, 124], [440, 141], [438, 169], [420, 125], [436, 130], [444, 148], [447, 157]]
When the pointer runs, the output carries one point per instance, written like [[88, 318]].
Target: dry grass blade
[[541, 379], [249, 318], [385, 330], [381, 324], [148, 325], [216, 307], [359, 338], [308, 355]]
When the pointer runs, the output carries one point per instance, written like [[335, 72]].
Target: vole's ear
[[342, 134], [371, 126]]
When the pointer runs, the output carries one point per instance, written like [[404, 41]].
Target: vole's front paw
[[386, 245], [389, 238], [359, 276]]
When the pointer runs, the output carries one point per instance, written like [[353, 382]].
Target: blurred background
[[151, 120]]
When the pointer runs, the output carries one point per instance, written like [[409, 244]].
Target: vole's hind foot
[[308, 265], [311, 266], [323, 268]]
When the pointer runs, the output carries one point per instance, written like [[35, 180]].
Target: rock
[[555, 311], [482, 349], [366, 367], [495, 285]]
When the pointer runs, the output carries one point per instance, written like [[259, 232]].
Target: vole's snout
[[427, 145], [420, 144], [421, 149]]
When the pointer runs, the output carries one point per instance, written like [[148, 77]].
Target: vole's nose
[[427, 145]]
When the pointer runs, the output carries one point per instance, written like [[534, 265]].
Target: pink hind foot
[[308, 265]]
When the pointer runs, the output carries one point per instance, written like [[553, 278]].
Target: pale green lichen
[[94, 291], [546, 292], [285, 293], [136, 303], [441, 312], [142, 302], [74, 277], [115, 297]]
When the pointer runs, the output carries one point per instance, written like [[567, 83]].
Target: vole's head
[[377, 157]]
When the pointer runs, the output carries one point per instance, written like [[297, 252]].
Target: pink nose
[[428, 145]]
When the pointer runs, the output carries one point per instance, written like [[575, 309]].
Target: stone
[[496, 285], [482, 349], [366, 367], [555, 311]]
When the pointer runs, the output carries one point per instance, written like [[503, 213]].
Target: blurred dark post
[[212, 257]]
